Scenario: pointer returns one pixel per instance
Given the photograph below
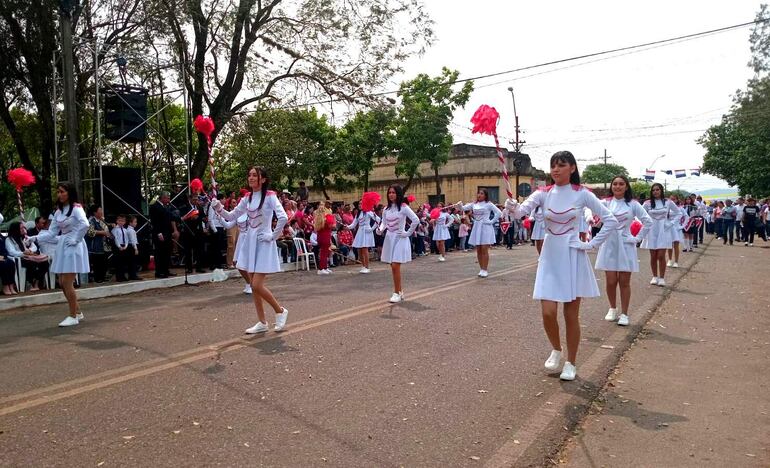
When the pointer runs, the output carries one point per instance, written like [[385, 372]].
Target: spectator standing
[[728, 215], [303, 194], [97, 240], [133, 245], [752, 223], [323, 223], [164, 233], [217, 236], [123, 255], [7, 272], [193, 241], [739, 205], [462, 233]]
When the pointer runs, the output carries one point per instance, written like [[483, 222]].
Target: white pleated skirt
[[396, 249]]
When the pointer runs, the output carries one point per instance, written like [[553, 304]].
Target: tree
[[602, 173], [738, 148], [243, 53], [290, 144], [421, 128], [363, 140]]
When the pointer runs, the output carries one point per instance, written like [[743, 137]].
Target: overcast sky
[[637, 106]]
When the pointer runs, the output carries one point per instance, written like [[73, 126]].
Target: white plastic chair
[[21, 275], [303, 255]]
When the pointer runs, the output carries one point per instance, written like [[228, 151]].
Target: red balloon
[[636, 226]]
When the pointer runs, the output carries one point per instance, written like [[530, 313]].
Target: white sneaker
[[654, 280], [323, 272], [751, 245], [441, 258], [483, 274], [675, 265], [553, 361], [258, 328], [364, 271], [68, 322], [280, 320], [396, 297], [81, 317], [612, 315], [623, 320], [247, 289], [569, 372], [328, 271], [661, 282], [746, 244], [670, 263]]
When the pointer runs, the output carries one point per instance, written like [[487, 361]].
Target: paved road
[[452, 377]]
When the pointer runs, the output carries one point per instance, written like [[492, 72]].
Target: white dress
[[661, 234], [71, 254], [243, 226], [441, 227], [397, 247], [564, 270], [484, 216], [365, 233], [618, 253], [257, 250], [679, 224], [538, 228]]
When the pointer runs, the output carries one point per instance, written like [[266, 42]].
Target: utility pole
[[517, 144], [66, 9], [605, 165]]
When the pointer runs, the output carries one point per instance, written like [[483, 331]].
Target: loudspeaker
[[126, 182], [125, 113]]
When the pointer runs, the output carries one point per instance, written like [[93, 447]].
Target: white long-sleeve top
[[481, 212], [625, 213], [132, 239], [120, 236], [364, 221], [13, 249], [394, 220], [259, 219]]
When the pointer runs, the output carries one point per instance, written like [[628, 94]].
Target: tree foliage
[[602, 173], [738, 149], [421, 132], [363, 140]]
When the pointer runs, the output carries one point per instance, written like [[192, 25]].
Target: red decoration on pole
[[435, 213], [410, 198], [205, 126], [20, 178], [484, 121]]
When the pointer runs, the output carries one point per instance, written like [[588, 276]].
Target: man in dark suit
[[164, 233], [193, 233]]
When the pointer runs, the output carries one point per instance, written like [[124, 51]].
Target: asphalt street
[[451, 377]]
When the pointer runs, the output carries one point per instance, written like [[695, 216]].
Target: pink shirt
[[463, 230]]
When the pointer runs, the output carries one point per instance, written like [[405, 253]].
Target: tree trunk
[[438, 182], [408, 183], [366, 181]]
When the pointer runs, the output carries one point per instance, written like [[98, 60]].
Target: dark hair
[[39, 218], [93, 209], [486, 194], [662, 194], [72, 196], [567, 157], [220, 196], [629, 195], [399, 195], [130, 219], [261, 172], [14, 233]]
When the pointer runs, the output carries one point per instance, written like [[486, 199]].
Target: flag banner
[[689, 224], [649, 174], [695, 172], [668, 172], [679, 173], [504, 226], [698, 221]]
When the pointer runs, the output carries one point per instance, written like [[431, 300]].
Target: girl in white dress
[[363, 222], [564, 272], [397, 247], [677, 238], [258, 253], [71, 255], [618, 256], [441, 230], [538, 228], [485, 214], [243, 225], [660, 237]]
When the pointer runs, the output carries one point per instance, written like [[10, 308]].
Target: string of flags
[[649, 174]]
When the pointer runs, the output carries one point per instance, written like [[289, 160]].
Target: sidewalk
[[693, 389]]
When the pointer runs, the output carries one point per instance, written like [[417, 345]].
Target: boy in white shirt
[[123, 255], [133, 243]]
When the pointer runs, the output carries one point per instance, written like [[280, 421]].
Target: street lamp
[[653, 163]]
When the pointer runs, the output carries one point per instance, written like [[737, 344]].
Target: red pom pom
[[245, 192], [369, 200], [527, 223], [330, 219], [435, 213], [410, 198], [20, 178], [204, 125], [636, 226], [484, 120], [196, 186]]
